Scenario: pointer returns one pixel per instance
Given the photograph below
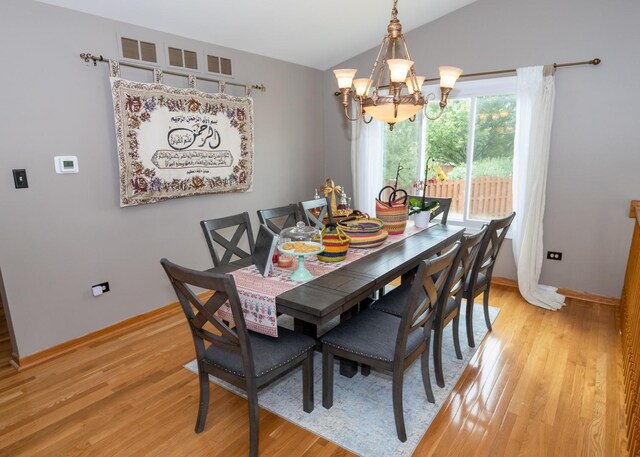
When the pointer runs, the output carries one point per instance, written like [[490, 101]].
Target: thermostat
[[66, 164]]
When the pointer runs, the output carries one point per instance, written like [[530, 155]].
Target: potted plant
[[419, 206]]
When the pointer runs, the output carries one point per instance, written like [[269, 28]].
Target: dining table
[[320, 300], [341, 290]]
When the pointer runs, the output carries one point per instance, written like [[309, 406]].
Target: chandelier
[[397, 91]]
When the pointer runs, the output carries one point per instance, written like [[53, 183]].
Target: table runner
[[258, 294]]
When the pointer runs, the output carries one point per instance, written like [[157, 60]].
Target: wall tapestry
[[175, 142]]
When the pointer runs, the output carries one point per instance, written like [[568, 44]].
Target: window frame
[[470, 90]]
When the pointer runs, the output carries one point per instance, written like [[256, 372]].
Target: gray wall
[[67, 232], [595, 157]]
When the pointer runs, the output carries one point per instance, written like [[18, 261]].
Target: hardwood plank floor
[[542, 383]]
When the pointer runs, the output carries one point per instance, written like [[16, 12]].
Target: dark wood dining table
[[336, 293]]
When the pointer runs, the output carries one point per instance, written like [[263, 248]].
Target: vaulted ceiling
[[317, 34]]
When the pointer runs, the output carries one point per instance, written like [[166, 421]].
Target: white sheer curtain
[[366, 164], [535, 96]]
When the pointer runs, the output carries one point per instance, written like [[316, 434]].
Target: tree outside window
[[473, 144]]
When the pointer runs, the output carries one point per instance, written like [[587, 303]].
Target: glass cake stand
[[302, 274]]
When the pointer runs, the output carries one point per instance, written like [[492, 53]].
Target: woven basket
[[365, 232], [335, 245], [394, 213]]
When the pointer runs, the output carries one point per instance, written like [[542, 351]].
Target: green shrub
[[501, 167]]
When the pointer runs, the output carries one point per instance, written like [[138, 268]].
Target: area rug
[[361, 419]]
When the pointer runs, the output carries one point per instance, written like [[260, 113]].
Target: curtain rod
[[595, 61], [88, 57]]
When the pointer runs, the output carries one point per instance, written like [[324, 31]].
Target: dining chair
[[310, 218], [230, 246], [390, 343], [279, 218], [443, 207], [479, 279], [247, 360], [448, 308]]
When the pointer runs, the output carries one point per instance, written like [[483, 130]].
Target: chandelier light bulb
[[345, 77], [409, 83], [399, 69], [449, 76], [361, 85]]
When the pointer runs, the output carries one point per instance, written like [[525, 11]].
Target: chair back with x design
[[310, 217], [205, 325], [490, 247], [279, 218], [462, 265], [428, 286], [230, 247]]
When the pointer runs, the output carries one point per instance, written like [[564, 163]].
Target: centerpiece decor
[[336, 245], [336, 198], [419, 206], [394, 211]]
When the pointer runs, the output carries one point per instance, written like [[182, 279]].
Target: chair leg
[[470, 338], [456, 336], [485, 303], [398, 410], [203, 407], [426, 378], [307, 383], [365, 369], [254, 421], [327, 378], [437, 355]]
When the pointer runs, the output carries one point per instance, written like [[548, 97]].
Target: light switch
[[20, 178]]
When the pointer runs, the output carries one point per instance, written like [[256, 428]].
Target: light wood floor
[[542, 383]]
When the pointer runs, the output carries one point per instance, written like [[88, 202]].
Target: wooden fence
[[490, 196]]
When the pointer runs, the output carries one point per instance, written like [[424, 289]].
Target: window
[[469, 148]]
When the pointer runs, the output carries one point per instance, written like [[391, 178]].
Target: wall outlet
[[103, 285], [554, 255]]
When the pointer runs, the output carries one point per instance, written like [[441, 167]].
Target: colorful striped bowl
[[366, 240], [364, 233]]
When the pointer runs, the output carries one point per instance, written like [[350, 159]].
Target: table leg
[[306, 328]]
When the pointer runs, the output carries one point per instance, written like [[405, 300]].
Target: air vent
[[138, 50], [219, 65], [183, 58]]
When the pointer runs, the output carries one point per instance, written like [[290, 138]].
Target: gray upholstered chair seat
[[394, 301], [372, 334], [482, 280], [268, 353]]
